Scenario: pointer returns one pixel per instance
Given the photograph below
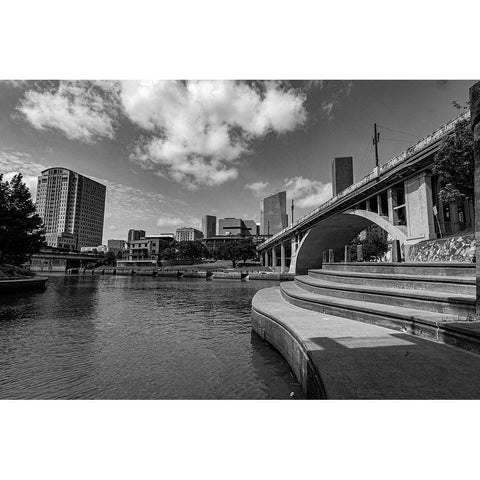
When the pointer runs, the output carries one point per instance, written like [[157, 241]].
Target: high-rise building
[[72, 208], [187, 234], [342, 174], [209, 225], [135, 235], [273, 213]]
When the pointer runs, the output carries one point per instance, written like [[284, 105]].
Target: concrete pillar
[[274, 257], [454, 217], [391, 204], [379, 204], [331, 257], [419, 207], [359, 253], [265, 258], [282, 257], [475, 120], [396, 251], [324, 257], [293, 246], [368, 207], [348, 254]]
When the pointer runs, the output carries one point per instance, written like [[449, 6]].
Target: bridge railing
[[386, 167]]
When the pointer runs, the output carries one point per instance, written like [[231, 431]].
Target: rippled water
[[137, 338]]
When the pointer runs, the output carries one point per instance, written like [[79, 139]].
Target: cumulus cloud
[[82, 110], [307, 193], [334, 91], [257, 187], [200, 129]]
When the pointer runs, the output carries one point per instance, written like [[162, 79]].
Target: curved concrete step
[[440, 302], [450, 329], [447, 284], [436, 269], [338, 358]]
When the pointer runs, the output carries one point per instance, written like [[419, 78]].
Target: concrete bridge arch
[[336, 232]]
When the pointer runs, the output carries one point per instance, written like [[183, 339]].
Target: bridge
[[399, 196]]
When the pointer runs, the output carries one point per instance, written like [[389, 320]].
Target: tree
[[454, 162], [110, 258], [21, 231], [374, 246], [247, 250], [191, 250]]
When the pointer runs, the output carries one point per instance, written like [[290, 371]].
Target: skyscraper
[[209, 226], [342, 174], [72, 208], [273, 213]]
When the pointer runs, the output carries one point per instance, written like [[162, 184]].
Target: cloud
[[307, 193], [257, 187], [334, 92], [177, 221], [82, 110], [198, 130]]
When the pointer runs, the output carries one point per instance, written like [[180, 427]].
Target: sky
[[170, 152]]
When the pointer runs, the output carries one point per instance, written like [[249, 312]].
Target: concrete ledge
[[338, 358], [23, 284], [435, 326]]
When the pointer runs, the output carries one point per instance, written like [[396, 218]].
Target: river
[[109, 337]]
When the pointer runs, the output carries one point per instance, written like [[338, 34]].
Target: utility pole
[[292, 211], [376, 139]]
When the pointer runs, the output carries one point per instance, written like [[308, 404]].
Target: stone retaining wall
[[451, 249]]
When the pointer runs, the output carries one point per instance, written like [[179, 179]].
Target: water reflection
[[137, 337]]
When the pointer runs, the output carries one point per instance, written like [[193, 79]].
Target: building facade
[[209, 225], [273, 213], [188, 234], [232, 226], [135, 235], [116, 246], [252, 227], [342, 174], [72, 208]]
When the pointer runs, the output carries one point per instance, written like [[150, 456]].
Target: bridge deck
[[357, 360]]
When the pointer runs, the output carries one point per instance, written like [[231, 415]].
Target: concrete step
[[446, 328], [444, 303], [447, 284], [435, 269], [338, 358]]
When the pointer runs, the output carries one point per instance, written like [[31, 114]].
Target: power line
[[398, 131]]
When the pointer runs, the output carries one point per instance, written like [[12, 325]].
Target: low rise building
[[116, 246], [188, 234], [98, 249]]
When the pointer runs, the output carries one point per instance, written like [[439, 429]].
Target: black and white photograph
[[177, 247]]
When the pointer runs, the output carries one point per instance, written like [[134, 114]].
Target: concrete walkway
[[356, 360]]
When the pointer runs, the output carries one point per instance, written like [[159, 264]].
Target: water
[[137, 338]]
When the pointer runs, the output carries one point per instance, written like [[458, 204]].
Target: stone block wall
[[451, 249]]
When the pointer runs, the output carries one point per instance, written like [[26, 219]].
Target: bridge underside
[[334, 233]]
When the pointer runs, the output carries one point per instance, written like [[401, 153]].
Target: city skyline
[[105, 131]]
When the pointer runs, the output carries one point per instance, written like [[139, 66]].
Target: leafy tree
[[454, 162], [247, 249], [191, 250], [110, 258], [237, 250], [374, 246], [21, 231]]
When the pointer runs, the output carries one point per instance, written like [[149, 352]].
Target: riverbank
[[15, 279]]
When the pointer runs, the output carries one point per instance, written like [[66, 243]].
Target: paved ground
[[359, 360]]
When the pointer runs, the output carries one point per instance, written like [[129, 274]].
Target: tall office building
[[72, 208], [342, 174], [135, 235], [273, 213], [209, 226]]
